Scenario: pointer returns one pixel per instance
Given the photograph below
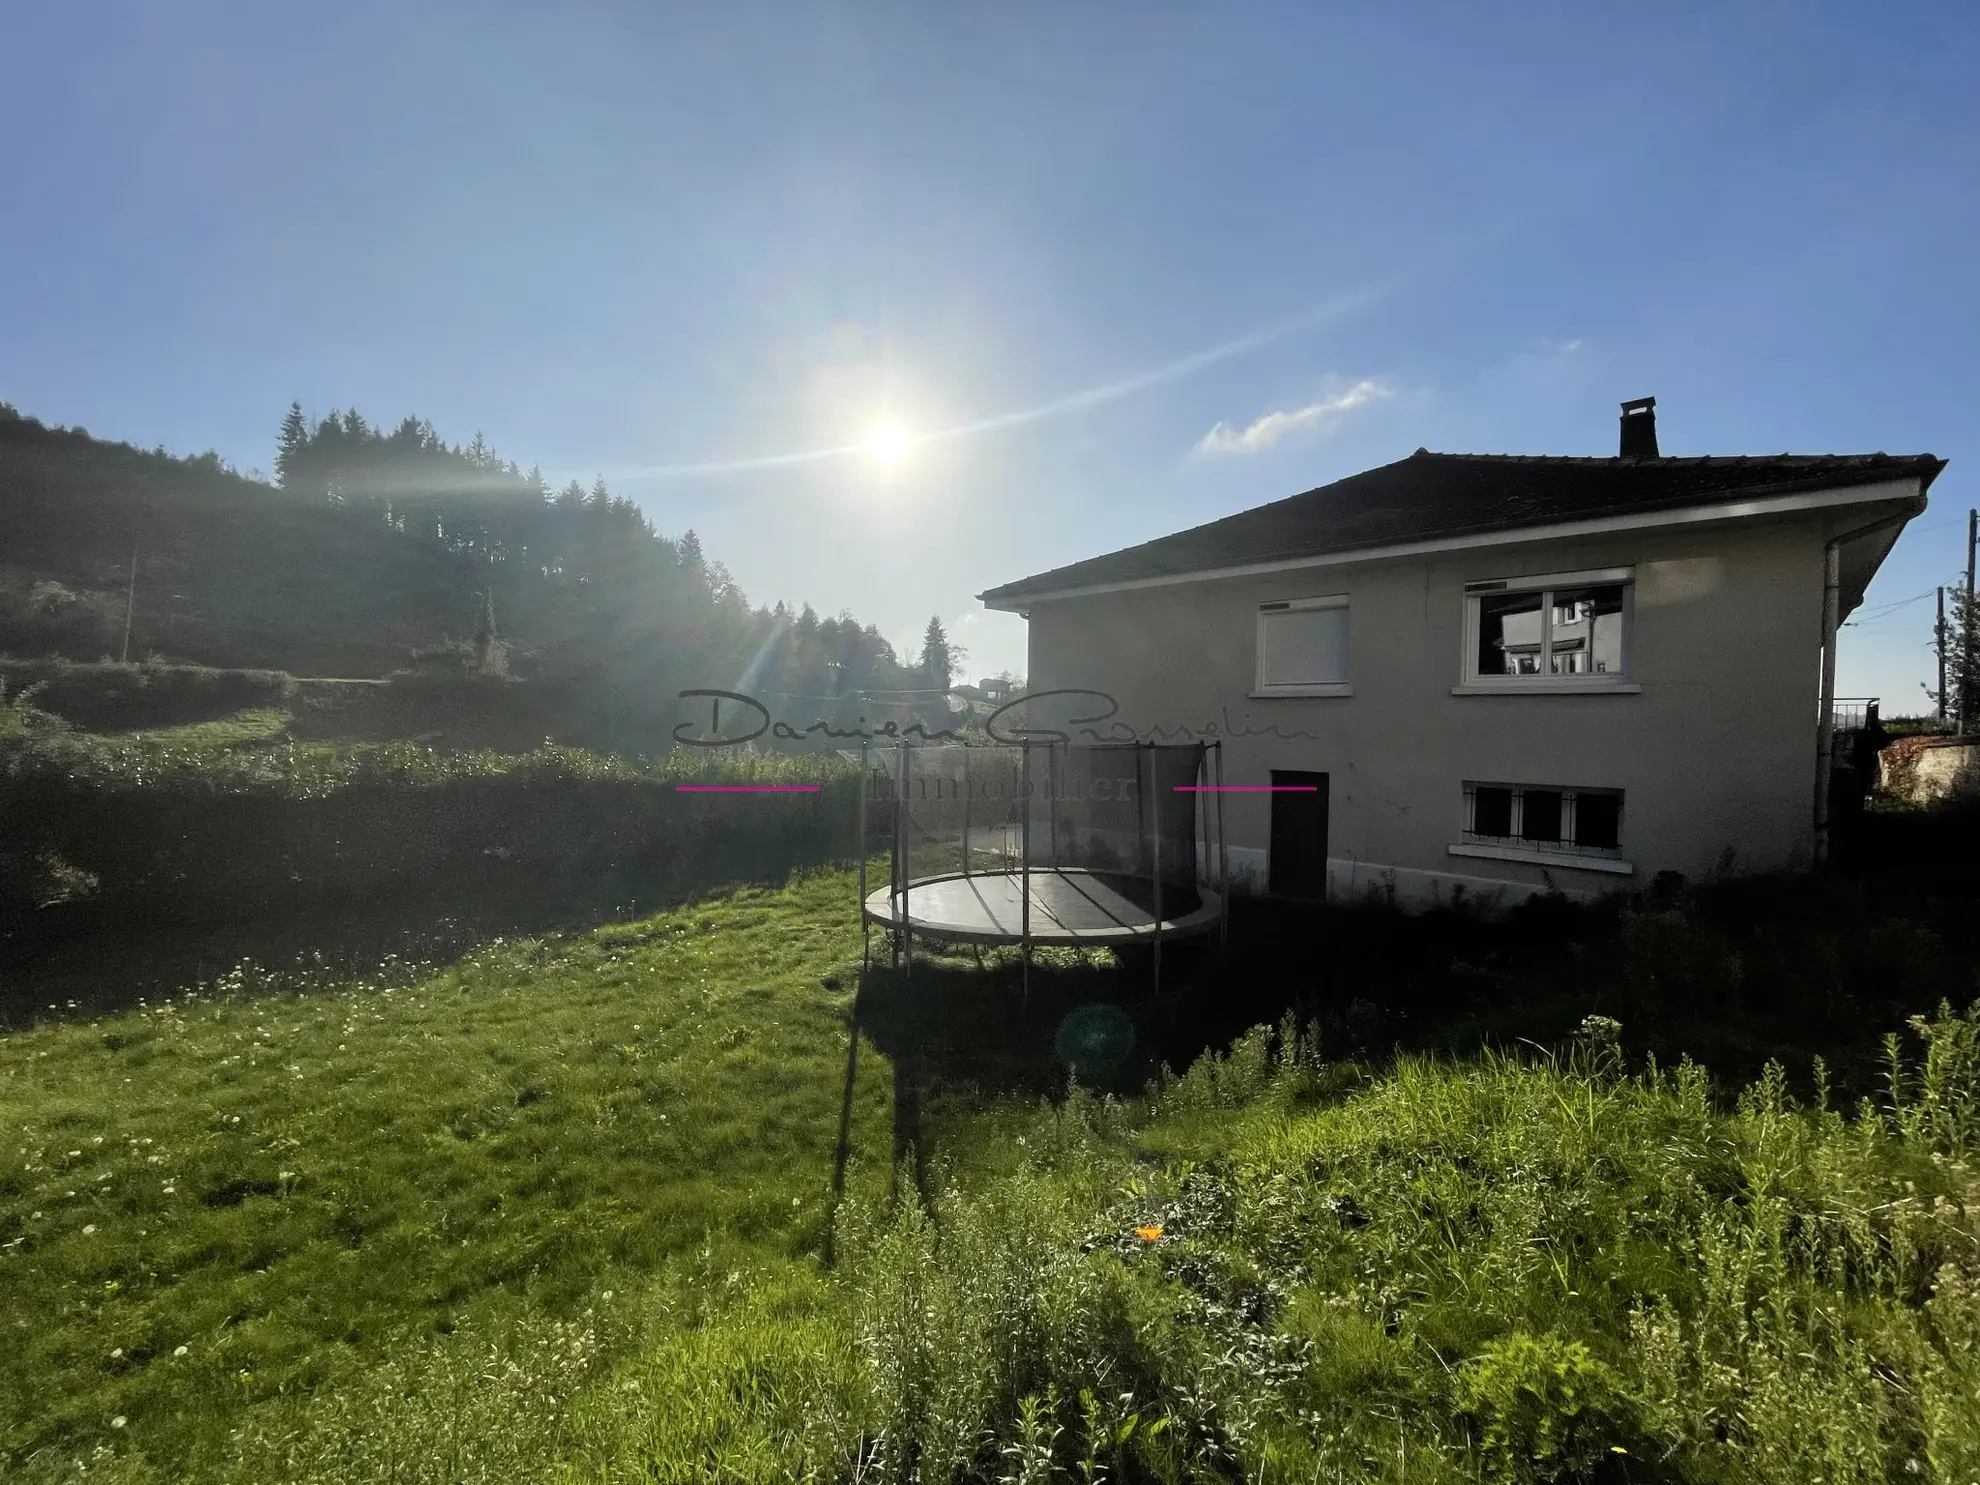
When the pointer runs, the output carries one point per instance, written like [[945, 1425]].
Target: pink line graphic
[[1247, 788], [746, 788]]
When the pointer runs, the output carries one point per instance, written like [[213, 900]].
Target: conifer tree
[[938, 656], [1962, 657], [291, 447]]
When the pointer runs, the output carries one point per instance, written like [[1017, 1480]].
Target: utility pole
[[1939, 645], [1966, 676], [130, 601]]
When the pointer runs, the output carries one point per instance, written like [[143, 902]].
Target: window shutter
[[1305, 647]]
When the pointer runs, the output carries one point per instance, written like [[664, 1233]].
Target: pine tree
[[938, 656], [690, 547], [292, 447], [1962, 656]]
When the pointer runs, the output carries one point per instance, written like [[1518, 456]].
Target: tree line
[[377, 548]]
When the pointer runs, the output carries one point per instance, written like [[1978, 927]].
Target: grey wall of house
[[1715, 753]]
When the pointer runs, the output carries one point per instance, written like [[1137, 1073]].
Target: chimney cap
[[1640, 404]]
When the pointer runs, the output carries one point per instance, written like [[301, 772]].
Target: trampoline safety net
[[1126, 813]]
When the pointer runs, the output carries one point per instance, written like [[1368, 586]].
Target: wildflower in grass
[[88, 1228], [1149, 1233], [119, 1421], [181, 1351]]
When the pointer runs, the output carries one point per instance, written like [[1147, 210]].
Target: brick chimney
[[1639, 429]]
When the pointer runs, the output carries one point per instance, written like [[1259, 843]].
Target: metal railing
[[1853, 713]]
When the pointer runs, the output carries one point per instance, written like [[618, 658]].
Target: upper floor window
[[1567, 632], [1303, 647]]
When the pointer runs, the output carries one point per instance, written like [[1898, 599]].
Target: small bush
[[1541, 1400]]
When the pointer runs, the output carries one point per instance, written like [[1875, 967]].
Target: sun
[[887, 443]]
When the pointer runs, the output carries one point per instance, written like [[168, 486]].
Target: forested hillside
[[377, 551]]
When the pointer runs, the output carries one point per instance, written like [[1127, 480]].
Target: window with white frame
[[1569, 631], [1543, 818], [1303, 647]]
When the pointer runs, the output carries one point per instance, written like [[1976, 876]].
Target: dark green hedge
[[136, 836]]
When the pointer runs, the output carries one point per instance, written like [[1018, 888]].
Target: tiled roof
[[1432, 497]]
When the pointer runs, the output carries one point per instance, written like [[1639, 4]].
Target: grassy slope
[[563, 1202], [285, 1185]]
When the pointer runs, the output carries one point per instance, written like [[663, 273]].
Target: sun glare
[[887, 443]]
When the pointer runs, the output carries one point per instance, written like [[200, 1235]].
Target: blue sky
[[636, 238]]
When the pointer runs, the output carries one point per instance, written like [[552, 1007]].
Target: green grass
[[293, 1187], [255, 725], [563, 1211]]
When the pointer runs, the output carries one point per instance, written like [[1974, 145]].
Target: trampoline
[[1043, 844]]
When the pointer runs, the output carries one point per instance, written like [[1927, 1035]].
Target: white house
[[1499, 673]]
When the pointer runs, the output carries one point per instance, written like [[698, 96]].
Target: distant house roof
[[1434, 497]]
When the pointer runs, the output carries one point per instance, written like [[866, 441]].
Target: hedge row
[[157, 836]]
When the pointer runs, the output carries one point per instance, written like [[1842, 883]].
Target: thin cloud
[[1312, 318], [1268, 430]]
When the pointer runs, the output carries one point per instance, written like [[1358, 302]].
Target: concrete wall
[[1714, 748], [1927, 770]]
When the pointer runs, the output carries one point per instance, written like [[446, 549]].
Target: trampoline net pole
[[907, 872], [1052, 773], [1024, 869], [1223, 858], [865, 924], [966, 793]]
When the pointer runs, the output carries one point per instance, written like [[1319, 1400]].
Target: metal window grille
[[1541, 809]]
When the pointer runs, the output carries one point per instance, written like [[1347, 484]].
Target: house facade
[[1480, 676]]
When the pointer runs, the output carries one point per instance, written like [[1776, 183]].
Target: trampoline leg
[[978, 952]]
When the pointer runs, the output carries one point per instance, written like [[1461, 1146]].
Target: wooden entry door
[[1298, 861]]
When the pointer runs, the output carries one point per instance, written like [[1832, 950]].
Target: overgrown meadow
[[631, 1204]]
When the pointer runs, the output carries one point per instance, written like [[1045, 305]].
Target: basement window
[[1303, 647], [1565, 632], [1543, 824]]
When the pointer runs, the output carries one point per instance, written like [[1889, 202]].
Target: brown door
[[1298, 861]]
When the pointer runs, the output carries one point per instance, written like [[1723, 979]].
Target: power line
[[1888, 608]]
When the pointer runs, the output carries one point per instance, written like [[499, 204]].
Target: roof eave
[[1738, 505]]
